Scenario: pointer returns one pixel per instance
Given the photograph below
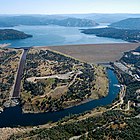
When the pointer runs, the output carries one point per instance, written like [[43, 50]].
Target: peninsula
[[124, 34], [11, 34]]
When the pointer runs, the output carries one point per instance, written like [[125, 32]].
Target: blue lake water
[[13, 116], [57, 35], [50, 36]]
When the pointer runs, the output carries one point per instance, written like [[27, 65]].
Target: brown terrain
[[96, 53], [9, 61], [90, 53], [4, 45], [54, 81]]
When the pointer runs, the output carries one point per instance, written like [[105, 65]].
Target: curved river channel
[[13, 116]]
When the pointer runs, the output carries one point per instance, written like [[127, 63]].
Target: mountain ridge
[[10, 21], [129, 23]]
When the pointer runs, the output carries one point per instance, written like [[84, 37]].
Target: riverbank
[[53, 81], [15, 117]]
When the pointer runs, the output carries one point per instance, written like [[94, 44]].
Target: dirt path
[[78, 73], [128, 106], [58, 76], [77, 137], [121, 98]]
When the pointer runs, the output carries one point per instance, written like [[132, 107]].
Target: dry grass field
[[96, 53], [9, 61], [53, 81]]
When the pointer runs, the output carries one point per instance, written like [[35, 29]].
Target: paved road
[[16, 91]]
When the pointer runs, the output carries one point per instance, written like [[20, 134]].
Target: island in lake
[[11, 34]]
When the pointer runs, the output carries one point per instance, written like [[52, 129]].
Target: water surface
[[13, 116], [57, 35]]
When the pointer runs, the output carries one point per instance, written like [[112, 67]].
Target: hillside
[[120, 120], [9, 60], [53, 81], [124, 34], [104, 18], [10, 34], [130, 23], [132, 58], [9, 21]]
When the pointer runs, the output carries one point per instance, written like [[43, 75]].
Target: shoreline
[[77, 103], [59, 114], [5, 45], [99, 44]]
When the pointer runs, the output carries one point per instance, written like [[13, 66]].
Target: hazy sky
[[68, 6]]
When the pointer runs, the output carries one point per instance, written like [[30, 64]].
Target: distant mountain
[[130, 23], [10, 34], [9, 21], [124, 34], [104, 18]]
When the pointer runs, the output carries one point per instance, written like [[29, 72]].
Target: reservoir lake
[[57, 35], [53, 36]]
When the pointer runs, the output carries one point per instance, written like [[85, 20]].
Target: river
[[49, 36], [57, 35], [13, 116]]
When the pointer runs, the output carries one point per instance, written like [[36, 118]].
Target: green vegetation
[[109, 125], [127, 130], [132, 57], [129, 23], [131, 60], [53, 81], [9, 59], [124, 34], [131, 79], [132, 95], [120, 120], [10, 34]]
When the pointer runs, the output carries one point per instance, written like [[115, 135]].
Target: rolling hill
[[10, 21], [124, 34], [10, 34], [130, 23]]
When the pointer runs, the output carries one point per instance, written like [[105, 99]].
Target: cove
[[13, 116]]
